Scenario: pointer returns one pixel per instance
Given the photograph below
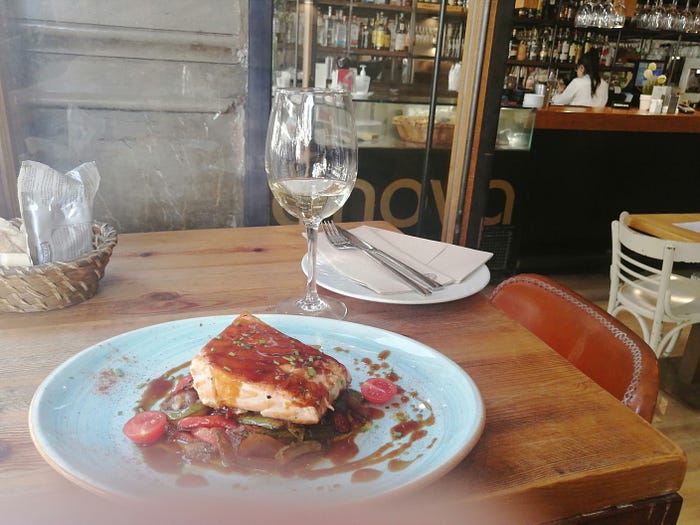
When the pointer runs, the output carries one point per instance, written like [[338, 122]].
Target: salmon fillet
[[252, 366]]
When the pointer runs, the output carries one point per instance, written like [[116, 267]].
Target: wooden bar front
[[584, 167]]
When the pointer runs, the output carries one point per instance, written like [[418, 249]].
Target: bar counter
[[613, 119], [584, 167]]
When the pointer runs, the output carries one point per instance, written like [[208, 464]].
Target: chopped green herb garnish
[[311, 371]]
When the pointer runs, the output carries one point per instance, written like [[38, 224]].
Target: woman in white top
[[587, 89]]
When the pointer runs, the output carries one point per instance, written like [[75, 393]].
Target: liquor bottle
[[401, 35], [610, 56], [378, 33], [320, 29], [386, 41], [534, 46], [540, 8], [354, 32], [370, 28], [550, 10], [563, 11], [341, 28], [588, 43], [565, 46], [513, 45], [545, 45], [365, 39], [522, 48], [330, 29], [574, 46], [604, 51]]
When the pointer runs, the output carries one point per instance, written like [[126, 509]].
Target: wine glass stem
[[311, 297]]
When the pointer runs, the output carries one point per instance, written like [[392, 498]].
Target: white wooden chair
[[656, 297]]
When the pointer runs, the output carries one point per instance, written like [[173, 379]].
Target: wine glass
[[684, 21], [311, 165], [656, 18], [584, 15], [642, 14], [668, 23]]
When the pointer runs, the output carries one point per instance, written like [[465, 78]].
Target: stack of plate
[[532, 100]]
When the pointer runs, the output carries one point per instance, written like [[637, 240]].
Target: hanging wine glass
[[669, 20], [584, 15], [684, 22], [644, 11], [607, 16], [598, 13], [618, 14], [655, 21], [311, 165]]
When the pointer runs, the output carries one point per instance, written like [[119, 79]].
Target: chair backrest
[[591, 339], [643, 275], [643, 265]]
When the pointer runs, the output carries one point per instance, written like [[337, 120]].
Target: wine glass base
[[326, 307]]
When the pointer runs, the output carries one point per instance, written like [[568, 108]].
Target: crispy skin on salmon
[[252, 366]]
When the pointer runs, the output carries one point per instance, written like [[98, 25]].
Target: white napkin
[[446, 263], [692, 226], [13, 245]]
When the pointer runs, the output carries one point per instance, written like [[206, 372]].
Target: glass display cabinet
[[327, 43]]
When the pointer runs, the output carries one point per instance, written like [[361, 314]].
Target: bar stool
[[595, 342], [643, 284]]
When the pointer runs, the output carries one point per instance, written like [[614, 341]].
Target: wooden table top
[[662, 225], [554, 443], [613, 119]]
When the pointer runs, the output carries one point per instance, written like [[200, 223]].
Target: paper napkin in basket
[[446, 263], [13, 245]]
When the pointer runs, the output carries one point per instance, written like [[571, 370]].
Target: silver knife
[[400, 266]]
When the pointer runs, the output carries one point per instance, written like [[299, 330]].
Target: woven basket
[[56, 285], [415, 129]]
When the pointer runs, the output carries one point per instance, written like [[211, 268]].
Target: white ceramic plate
[[77, 413], [330, 279]]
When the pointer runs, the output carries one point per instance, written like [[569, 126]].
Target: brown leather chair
[[596, 343]]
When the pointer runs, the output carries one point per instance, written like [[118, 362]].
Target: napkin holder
[[56, 285]]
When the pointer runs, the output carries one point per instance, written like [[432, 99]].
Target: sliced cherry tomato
[[378, 390], [192, 422], [146, 427]]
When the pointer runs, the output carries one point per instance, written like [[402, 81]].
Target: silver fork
[[339, 241]]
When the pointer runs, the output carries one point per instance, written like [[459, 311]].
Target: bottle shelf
[[344, 4], [362, 51]]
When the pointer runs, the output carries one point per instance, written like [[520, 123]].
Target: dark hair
[[590, 61]]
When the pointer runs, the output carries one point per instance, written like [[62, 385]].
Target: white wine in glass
[[311, 165]]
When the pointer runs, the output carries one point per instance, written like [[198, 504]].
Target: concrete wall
[[154, 92]]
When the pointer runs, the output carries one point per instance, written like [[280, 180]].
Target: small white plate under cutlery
[[330, 279]]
